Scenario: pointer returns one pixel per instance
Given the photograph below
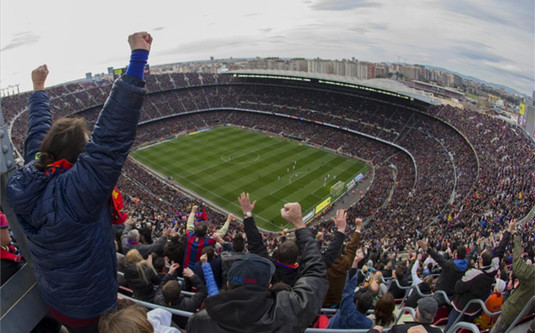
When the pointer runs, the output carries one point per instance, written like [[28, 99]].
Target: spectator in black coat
[[169, 294], [140, 275], [215, 263]]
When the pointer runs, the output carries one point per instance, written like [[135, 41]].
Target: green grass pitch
[[220, 163]]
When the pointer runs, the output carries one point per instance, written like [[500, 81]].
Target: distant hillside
[[467, 77]]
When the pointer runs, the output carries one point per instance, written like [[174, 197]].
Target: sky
[[493, 40]]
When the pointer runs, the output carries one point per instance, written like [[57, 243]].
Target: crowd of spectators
[[462, 178]]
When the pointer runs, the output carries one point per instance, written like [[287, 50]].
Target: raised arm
[[190, 225], [524, 272], [94, 175], [254, 238], [414, 270], [223, 230], [335, 246], [309, 290], [351, 248], [194, 302], [441, 261], [500, 249], [208, 276], [40, 118]]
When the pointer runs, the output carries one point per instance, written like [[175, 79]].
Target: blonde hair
[[132, 319], [134, 257]]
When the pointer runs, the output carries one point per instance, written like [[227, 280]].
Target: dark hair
[[66, 139], [461, 252], [487, 257], [400, 271], [364, 302], [200, 229], [287, 252], [210, 252], [238, 243], [158, 262], [171, 291], [384, 310]]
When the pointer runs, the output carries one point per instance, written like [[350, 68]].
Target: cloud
[[480, 55], [342, 5], [210, 45], [266, 30], [158, 28], [518, 15], [22, 39]]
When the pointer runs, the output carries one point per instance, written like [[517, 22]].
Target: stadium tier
[[437, 168]]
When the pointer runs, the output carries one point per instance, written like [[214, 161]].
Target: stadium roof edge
[[382, 84]]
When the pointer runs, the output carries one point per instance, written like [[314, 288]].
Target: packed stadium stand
[[440, 173]]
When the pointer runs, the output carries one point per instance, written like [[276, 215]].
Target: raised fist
[[140, 41], [39, 77], [292, 213]]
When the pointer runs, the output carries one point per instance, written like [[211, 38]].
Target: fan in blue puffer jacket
[[62, 195]]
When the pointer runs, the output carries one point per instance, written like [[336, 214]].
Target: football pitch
[[220, 163]]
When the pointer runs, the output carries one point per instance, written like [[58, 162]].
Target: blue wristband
[[138, 60]]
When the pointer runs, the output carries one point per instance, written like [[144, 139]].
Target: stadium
[[433, 172]]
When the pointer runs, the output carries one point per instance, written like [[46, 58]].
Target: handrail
[[483, 307], [418, 291], [402, 312], [400, 286], [446, 297], [328, 311], [340, 330], [183, 292], [465, 325], [522, 313], [331, 311], [181, 313]]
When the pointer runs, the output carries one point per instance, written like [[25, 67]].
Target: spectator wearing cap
[[425, 313], [250, 306], [10, 255]]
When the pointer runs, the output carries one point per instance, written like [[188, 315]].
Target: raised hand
[[204, 258], [173, 268], [422, 244], [166, 232], [245, 203], [218, 239], [358, 224], [187, 272], [340, 219], [140, 41], [292, 213], [512, 225], [39, 77]]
